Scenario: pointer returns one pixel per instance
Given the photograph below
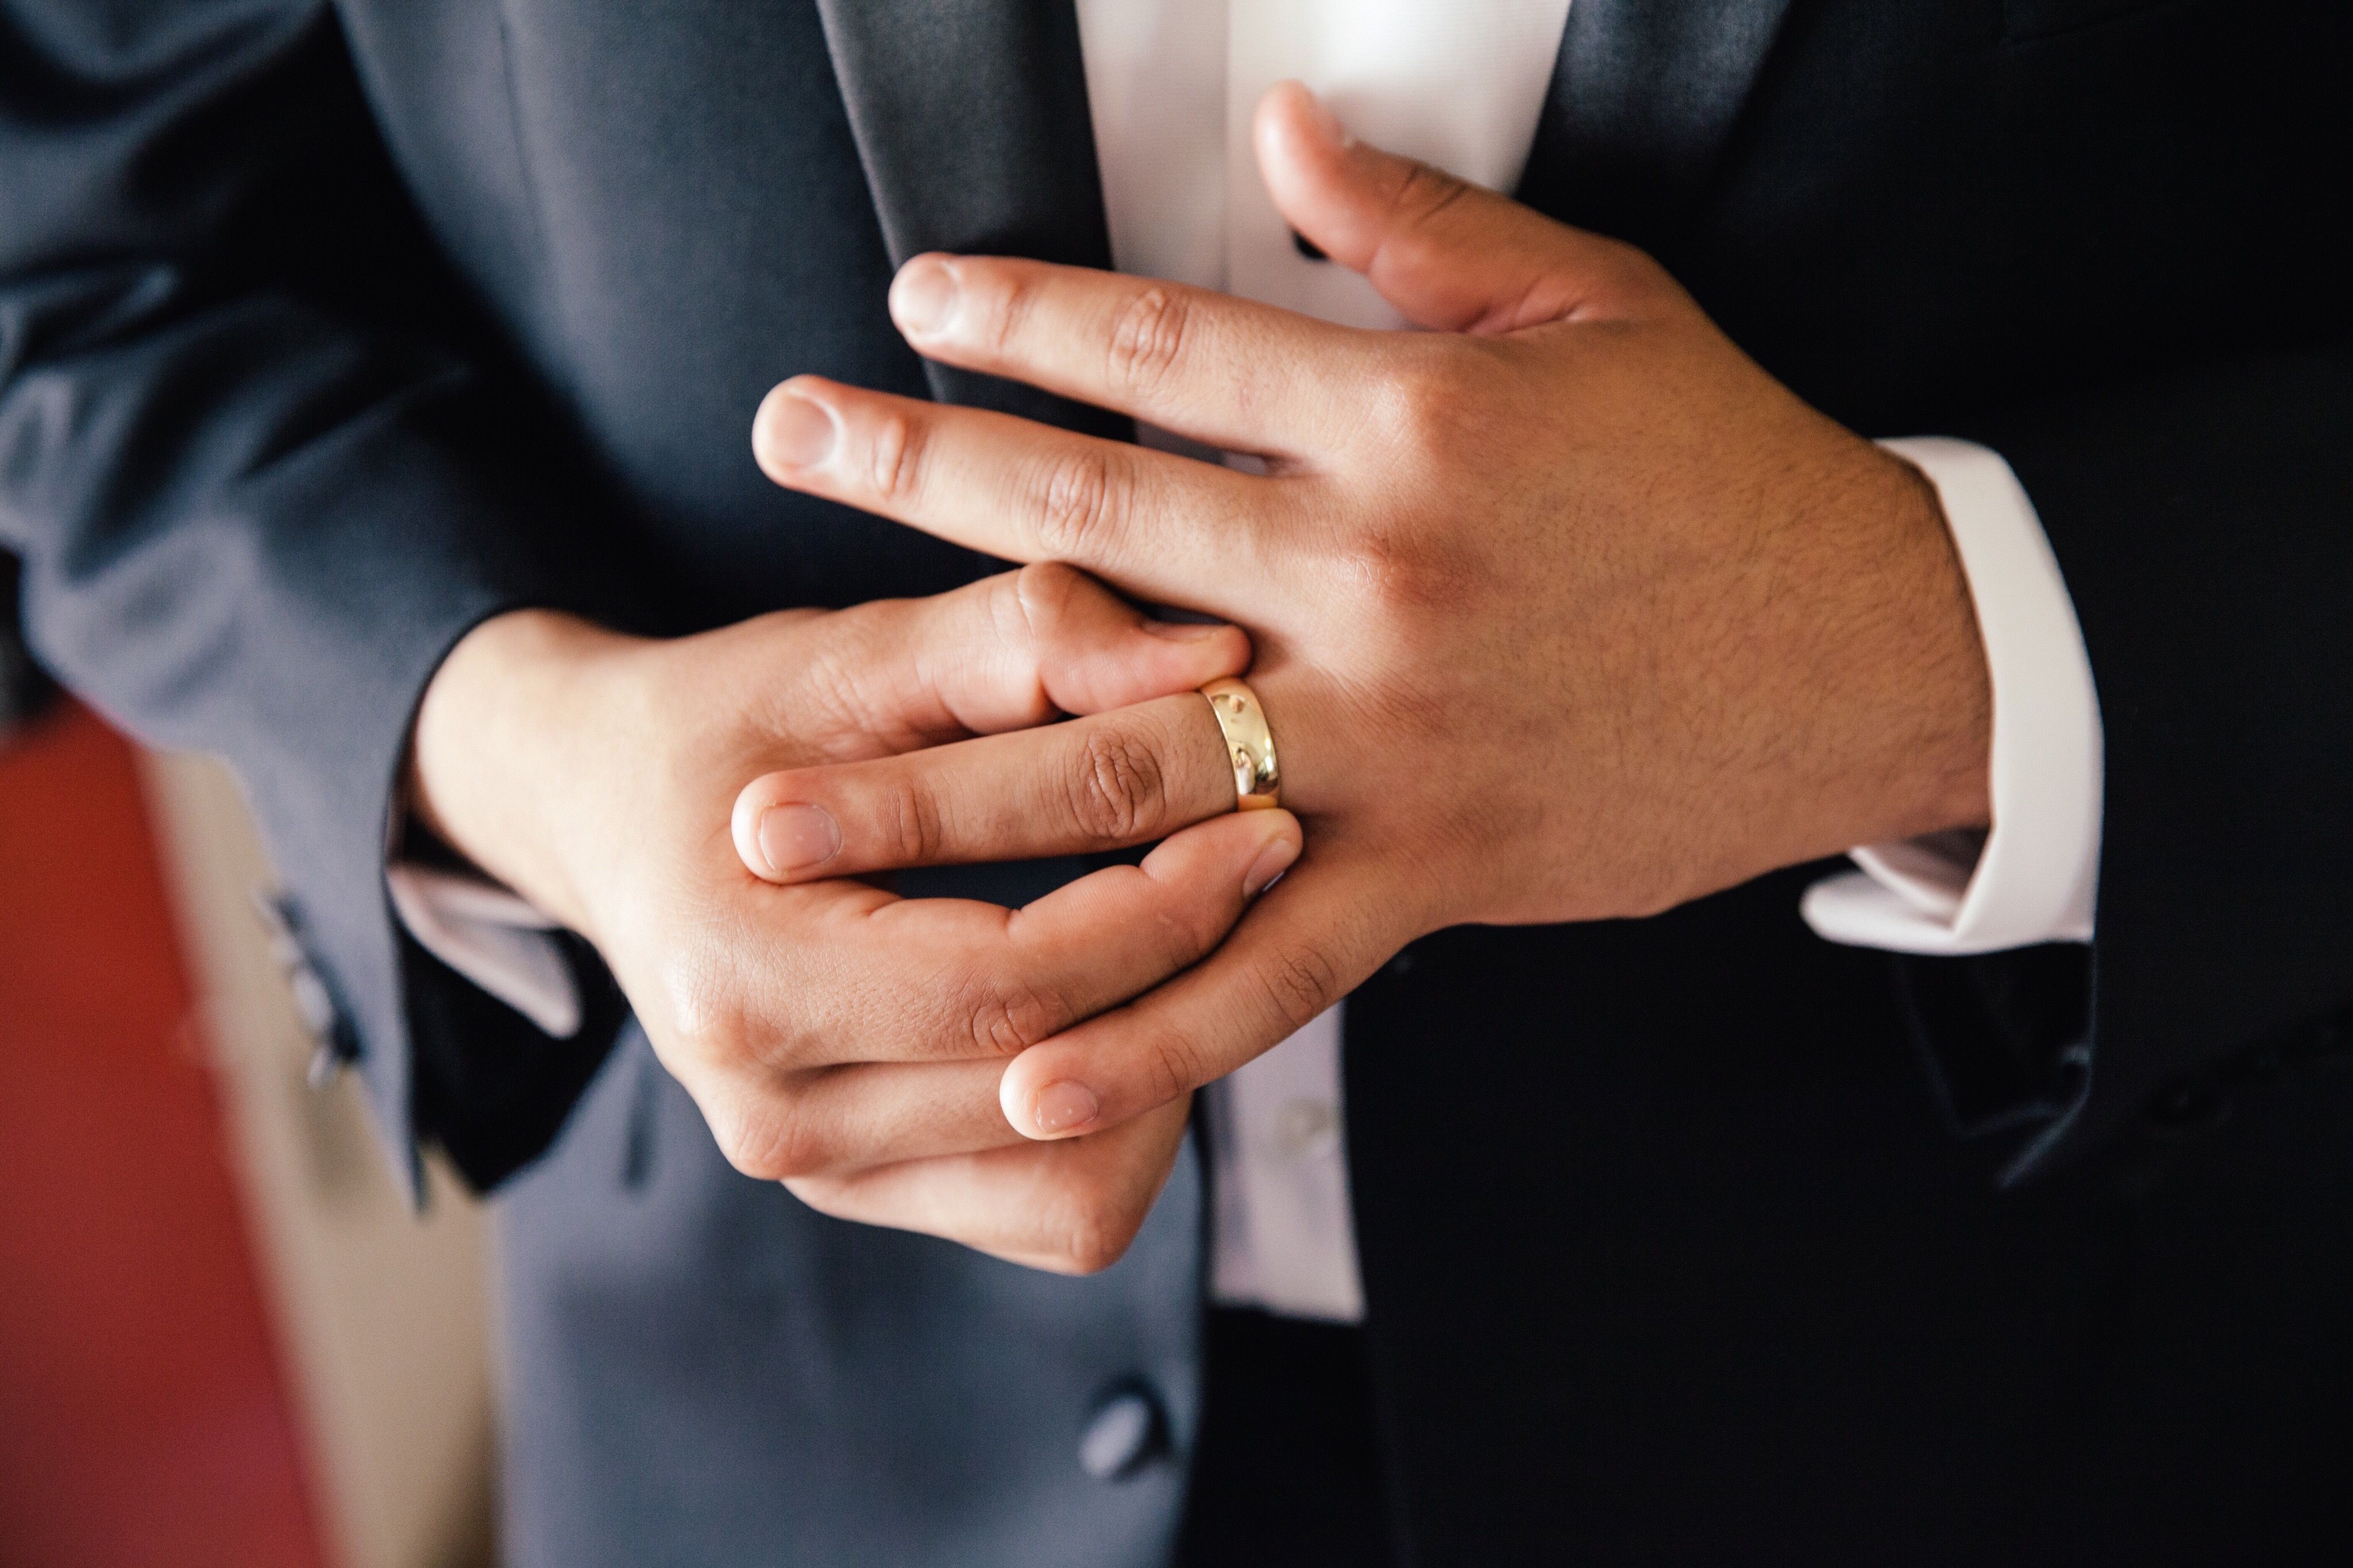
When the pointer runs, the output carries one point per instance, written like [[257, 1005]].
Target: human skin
[[829, 1026], [1563, 608]]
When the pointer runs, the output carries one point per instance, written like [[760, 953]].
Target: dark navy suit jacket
[[328, 330]]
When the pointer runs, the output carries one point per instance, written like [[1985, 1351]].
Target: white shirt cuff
[[2034, 877], [495, 938]]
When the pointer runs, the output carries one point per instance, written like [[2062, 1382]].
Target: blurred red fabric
[[143, 1416]]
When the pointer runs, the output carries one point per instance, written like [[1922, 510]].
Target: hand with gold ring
[[1158, 766], [831, 1027], [1563, 608]]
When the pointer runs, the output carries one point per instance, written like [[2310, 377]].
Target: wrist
[[492, 770], [1943, 772], [1886, 679]]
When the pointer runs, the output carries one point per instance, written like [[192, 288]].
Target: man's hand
[[1564, 609], [831, 1027]]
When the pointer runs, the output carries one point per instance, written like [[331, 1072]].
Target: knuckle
[[1042, 598], [1173, 1063], [1117, 790], [1096, 1235], [719, 1007], [1188, 921], [1007, 610], [1404, 571], [910, 821], [1006, 295], [707, 1021], [1427, 395], [745, 1154], [1147, 340], [1192, 934], [828, 695], [1632, 272], [1007, 1017], [1298, 981], [1425, 192], [1426, 412], [828, 1196], [1079, 505], [770, 1142], [894, 455]]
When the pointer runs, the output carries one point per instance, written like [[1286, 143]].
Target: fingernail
[[1183, 631], [924, 297], [795, 432], [796, 838], [1062, 1105], [1272, 863], [1327, 124]]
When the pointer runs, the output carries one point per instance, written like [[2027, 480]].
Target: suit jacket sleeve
[[260, 488], [2204, 523]]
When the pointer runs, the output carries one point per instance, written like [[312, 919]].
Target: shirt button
[[312, 1002], [1124, 1432], [1304, 1125]]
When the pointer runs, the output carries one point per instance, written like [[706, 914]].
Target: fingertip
[[1205, 651], [1258, 846], [1180, 631], [921, 259], [793, 430], [743, 827], [1285, 131], [1278, 850], [1142, 660], [1303, 150], [1062, 1108], [1290, 113], [1236, 654], [924, 295], [781, 840]]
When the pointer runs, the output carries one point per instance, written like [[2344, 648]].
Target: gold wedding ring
[[1250, 744]]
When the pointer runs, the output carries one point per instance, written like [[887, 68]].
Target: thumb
[[1447, 253]]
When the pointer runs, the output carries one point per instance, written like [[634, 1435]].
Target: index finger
[[1231, 372]]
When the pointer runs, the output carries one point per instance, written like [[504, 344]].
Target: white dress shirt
[[1458, 83]]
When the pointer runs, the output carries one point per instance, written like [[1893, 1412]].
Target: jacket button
[[1124, 1431]]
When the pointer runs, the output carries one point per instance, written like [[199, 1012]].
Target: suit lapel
[[1644, 99], [971, 120]]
